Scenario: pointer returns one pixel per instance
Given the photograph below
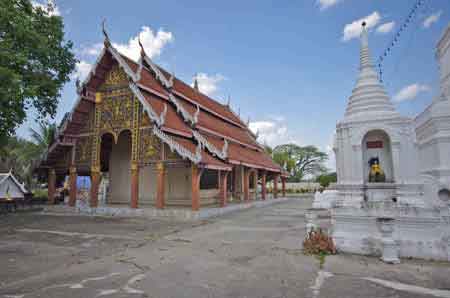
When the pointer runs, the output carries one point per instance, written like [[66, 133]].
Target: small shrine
[[392, 193]]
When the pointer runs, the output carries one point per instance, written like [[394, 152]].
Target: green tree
[[326, 179], [35, 62], [44, 136], [23, 156], [300, 161]]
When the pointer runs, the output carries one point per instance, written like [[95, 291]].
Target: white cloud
[[93, 50], [82, 69], [152, 43], [410, 92], [386, 27], [354, 29], [272, 133], [50, 7], [324, 4], [430, 20], [208, 84]]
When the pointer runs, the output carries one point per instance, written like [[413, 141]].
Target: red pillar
[[255, 183], [72, 186], [263, 185], [223, 188], [195, 195], [275, 185], [283, 186], [134, 185], [246, 184], [95, 184], [51, 187], [160, 199]]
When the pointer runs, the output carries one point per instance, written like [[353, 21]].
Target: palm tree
[[44, 136]]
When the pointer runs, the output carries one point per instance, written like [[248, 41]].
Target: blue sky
[[285, 64]]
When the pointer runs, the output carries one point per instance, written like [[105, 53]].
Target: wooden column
[[223, 188], [275, 185], [195, 195], [95, 154], [134, 185], [263, 185], [51, 187], [135, 154], [72, 186], [246, 184], [255, 183], [283, 186], [160, 191], [95, 184]]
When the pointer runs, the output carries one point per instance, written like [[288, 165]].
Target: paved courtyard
[[253, 253]]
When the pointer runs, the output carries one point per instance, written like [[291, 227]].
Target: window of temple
[[209, 179], [377, 157]]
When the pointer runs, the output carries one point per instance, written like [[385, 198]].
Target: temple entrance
[[119, 163], [377, 157]]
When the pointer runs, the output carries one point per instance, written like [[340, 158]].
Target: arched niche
[[106, 144], [377, 144], [444, 195]]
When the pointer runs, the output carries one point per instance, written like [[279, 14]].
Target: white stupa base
[[419, 232], [325, 199]]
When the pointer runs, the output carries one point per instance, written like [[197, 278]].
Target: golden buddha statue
[[376, 174]]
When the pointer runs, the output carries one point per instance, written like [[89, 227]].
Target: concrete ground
[[253, 253]]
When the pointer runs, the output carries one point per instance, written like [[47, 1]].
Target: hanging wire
[[407, 50], [397, 36]]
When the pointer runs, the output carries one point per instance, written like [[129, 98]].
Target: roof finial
[[229, 101], [364, 54], [196, 82], [106, 41], [141, 46]]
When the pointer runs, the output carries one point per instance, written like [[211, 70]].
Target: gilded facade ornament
[[150, 146], [115, 77], [83, 150]]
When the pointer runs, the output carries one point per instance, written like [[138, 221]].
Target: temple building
[[148, 139], [392, 196]]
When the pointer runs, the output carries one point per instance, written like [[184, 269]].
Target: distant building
[[10, 187]]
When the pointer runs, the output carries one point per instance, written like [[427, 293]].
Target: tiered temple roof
[[197, 127]]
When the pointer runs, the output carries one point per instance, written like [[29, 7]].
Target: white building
[[415, 157], [10, 187]]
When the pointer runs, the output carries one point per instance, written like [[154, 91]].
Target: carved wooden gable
[[118, 103]]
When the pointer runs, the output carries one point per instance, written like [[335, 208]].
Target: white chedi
[[325, 199]]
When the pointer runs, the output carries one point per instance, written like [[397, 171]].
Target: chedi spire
[[369, 99]]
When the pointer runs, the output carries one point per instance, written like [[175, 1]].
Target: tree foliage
[[300, 161], [35, 62], [326, 179], [23, 156]]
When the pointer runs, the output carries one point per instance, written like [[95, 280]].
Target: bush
[[40, 194], [318, 242]]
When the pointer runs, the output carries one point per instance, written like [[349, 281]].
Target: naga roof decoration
[[173, 145], [159, 120], [163, 97]]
